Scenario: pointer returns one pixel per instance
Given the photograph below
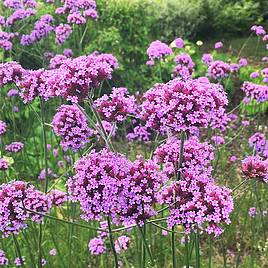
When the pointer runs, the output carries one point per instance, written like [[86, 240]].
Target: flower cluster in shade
[[158, 50], [218, 45], [198, 204], [3, 258], [71, 125], [196, 156], [14, 147], [218, 69], [254, 167], [14, 198], [185, 66], [259, 143], [116, 106], [258, 30], [184, 106], [108, 184], [256, 92]]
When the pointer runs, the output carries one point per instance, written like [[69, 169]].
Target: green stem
[[17, 246], [112, 242], [173, 247], [197, 249], [187, 252]]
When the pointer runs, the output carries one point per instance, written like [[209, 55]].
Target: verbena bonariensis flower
[[207, 59], [96, 246], [254, 167], [16, 4], [6, 40], [20, 14], [218, 69], [179, 43], [4, 165], [255, 91], [121, 243], [14, 198], [56, 61], [14, 147], [58, 197], [158, 50], [259, 143], [12, 92], [218, 140], [19, 261], [116, 106], [3, 127], [196, 156], [76, 18], [3, 258], [97, 184], [198, 204], [234, 67], [252, 212], [43, 173], [265, 74], [10, 72], [140, 189], [185, 65], [259, 30], [243, 62], [76, 77], [140, 133], [218, 45], [71, 125], [68, 53], [62, 32], [254, 75], [184, 105]]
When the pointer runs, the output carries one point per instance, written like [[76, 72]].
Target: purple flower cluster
[[185, 66], [265, 74], [218, 45], [71, 125], [198, 204], [196, 156], [14, 198], [121, 243], [254, 167], [62, 32], [78, 11], [3, 258], [116, 106], [58, 197], [12, 92], [10, 72], [158, 50], [96, 246], [20, 14], [207, 59], [218, 140], [42, 28], [259, 143], [56, 61], [255, 91], [14, 147], [6, 40], [140, 133], [184, 105], [3, 127], [179, 43], [218, 69], [4, 165], [258, 30]]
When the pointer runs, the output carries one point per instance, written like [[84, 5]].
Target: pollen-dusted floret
[[71, 125]]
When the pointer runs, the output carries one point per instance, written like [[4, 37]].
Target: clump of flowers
[[218, 69], [58, 197], [259, 143], [255, 91], [121, 243], [158, 50], [116, 106], [10, 72], [184, 106], [14, 198], [62, 32], [4, 165], [97, 183], [218, 140], [185, 65], [258, 30], [3, 258], [218, 45], [12, 92], [71, 125], [96, 246], [3, 127], [179, 43], [207, 59], [14, 147], [254, 167], [140, 189], [196, 156], [198, 205]]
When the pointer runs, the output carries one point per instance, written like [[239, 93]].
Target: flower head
[[158, 50]]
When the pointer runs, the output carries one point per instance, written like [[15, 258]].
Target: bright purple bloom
[[116, 106], [4, 165], [14, 147], [3, 258], [96, 246], [71, 125], [68, 53], [56, 61], [218, 69], [218, 45], [76, 18], [259, 30], [218, 140], [121, 243], [243, 62], [252, 212], [158, 50], [10, 72], [14, 196], [233, 158], [254, 75], [19, 262], [255, 91], [184, 106], [58, 197], [207, 59], [12, 92], [62, 32], [179, 42]]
